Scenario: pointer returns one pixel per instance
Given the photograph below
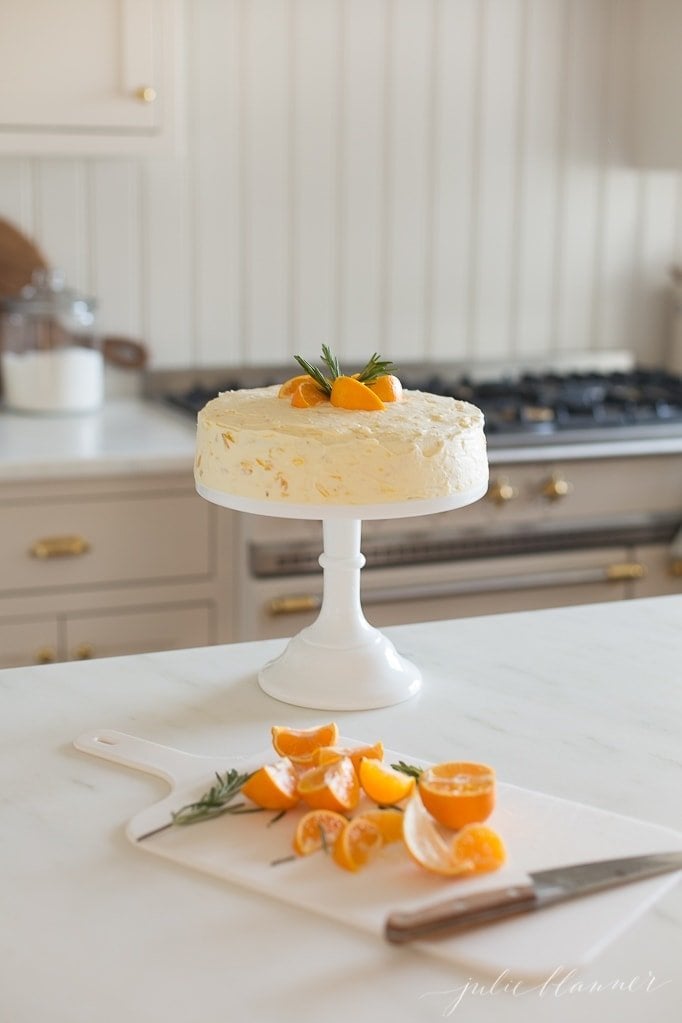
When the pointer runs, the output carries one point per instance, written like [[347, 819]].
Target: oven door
[[280, 607]]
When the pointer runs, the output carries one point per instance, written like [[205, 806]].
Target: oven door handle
[[620, 571]]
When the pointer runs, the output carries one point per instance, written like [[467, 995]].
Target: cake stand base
[[341, 662], [372, 674]]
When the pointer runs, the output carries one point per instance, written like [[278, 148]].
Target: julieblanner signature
[[558, 984]]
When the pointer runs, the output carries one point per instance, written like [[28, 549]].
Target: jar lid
[[47, 295]]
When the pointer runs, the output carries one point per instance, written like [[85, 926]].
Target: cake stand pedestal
[[341, 662]]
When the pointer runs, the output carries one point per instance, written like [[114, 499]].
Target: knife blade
[[545, 888]]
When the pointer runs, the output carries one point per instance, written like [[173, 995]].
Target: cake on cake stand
[[341, 662]]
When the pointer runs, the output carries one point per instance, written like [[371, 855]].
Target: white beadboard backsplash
[[439, 179]]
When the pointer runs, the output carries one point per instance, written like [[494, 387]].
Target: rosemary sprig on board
[[216, 801], [409, 769]]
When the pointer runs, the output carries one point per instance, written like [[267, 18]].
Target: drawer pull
[[59, 547], [501, 491], [556, 487], [624, 570], [46, 655], [84, 652], [293, 605]]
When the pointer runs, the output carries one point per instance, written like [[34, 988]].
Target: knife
[[546, 888]]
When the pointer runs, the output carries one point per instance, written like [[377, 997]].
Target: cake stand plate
[[341, 662]]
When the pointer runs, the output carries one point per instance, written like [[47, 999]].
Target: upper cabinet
[[89, 77], [657, 87]]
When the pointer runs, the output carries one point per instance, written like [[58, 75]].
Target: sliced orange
[[290, 385], [332, 786], [327, 754], [382, 784], [358, 843], [426, 843], [273, 786], [347, 392], [388, 388], [299, 743], [318, 829], [389, 822], [308, 394], [479, 848], [458, 793]]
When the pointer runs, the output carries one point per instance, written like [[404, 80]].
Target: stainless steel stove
[[584, 503]]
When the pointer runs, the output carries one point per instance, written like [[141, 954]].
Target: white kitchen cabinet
[[89, 76], [108, 566]]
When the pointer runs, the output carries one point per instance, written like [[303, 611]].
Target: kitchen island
[[581, 703]]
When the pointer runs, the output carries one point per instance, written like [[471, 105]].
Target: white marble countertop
[[582, 703], [126, 436]]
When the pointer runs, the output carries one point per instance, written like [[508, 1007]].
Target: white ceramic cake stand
[[341, 662]]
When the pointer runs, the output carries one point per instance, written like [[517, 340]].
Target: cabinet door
[[138, 631], [29, 642], [84, 70]]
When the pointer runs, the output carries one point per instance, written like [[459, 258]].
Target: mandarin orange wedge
[[388, 388], [458, 793], [388, 821], [300, 743], [273, 786], [426, 843], [358, 843], [327, 754], [478, 848], [332, 786], [349, 393], [382, 784], [290, 385], [318, 829], [308, 394]]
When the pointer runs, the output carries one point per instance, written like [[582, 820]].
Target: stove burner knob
[[501, 491], [556, 487]]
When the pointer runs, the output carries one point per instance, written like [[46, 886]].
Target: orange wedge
[[478, 848], [458, 793], [327, 754], [427, 844], [332, 786], [308, 394], [349, 393], [290, 385], [300, 743], [273, 786], [358, 843], [318, 829], [382, 784], [389, 822], [388, 388]]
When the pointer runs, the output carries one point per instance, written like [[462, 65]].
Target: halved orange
[[290, 385], [273, 786], [327, 754], [382, 784], [347, 392], [299, 743], [388, 388], [479, 848], [389, 822], [318, 829], [358, 843], [332, 786], [426, 843], [308, 394], [458, 793]]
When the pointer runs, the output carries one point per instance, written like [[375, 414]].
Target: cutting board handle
[[171, 764]]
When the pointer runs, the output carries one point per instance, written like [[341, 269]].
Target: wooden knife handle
[[459, 913]]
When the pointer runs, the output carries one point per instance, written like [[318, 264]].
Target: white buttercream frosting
[[253, 444]]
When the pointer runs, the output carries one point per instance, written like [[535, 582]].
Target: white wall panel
[[441, 179]]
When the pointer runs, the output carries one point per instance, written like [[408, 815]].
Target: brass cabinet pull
[[501, 491], [59, 547], [145, 94], [556, 487], [45, 655], [84, 652], [293, 605], [623, 570]]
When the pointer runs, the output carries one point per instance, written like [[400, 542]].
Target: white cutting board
[[540, 831]]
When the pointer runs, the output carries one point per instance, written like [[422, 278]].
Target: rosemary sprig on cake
[[365, 391]]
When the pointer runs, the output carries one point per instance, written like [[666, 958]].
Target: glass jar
[[50, 352]]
